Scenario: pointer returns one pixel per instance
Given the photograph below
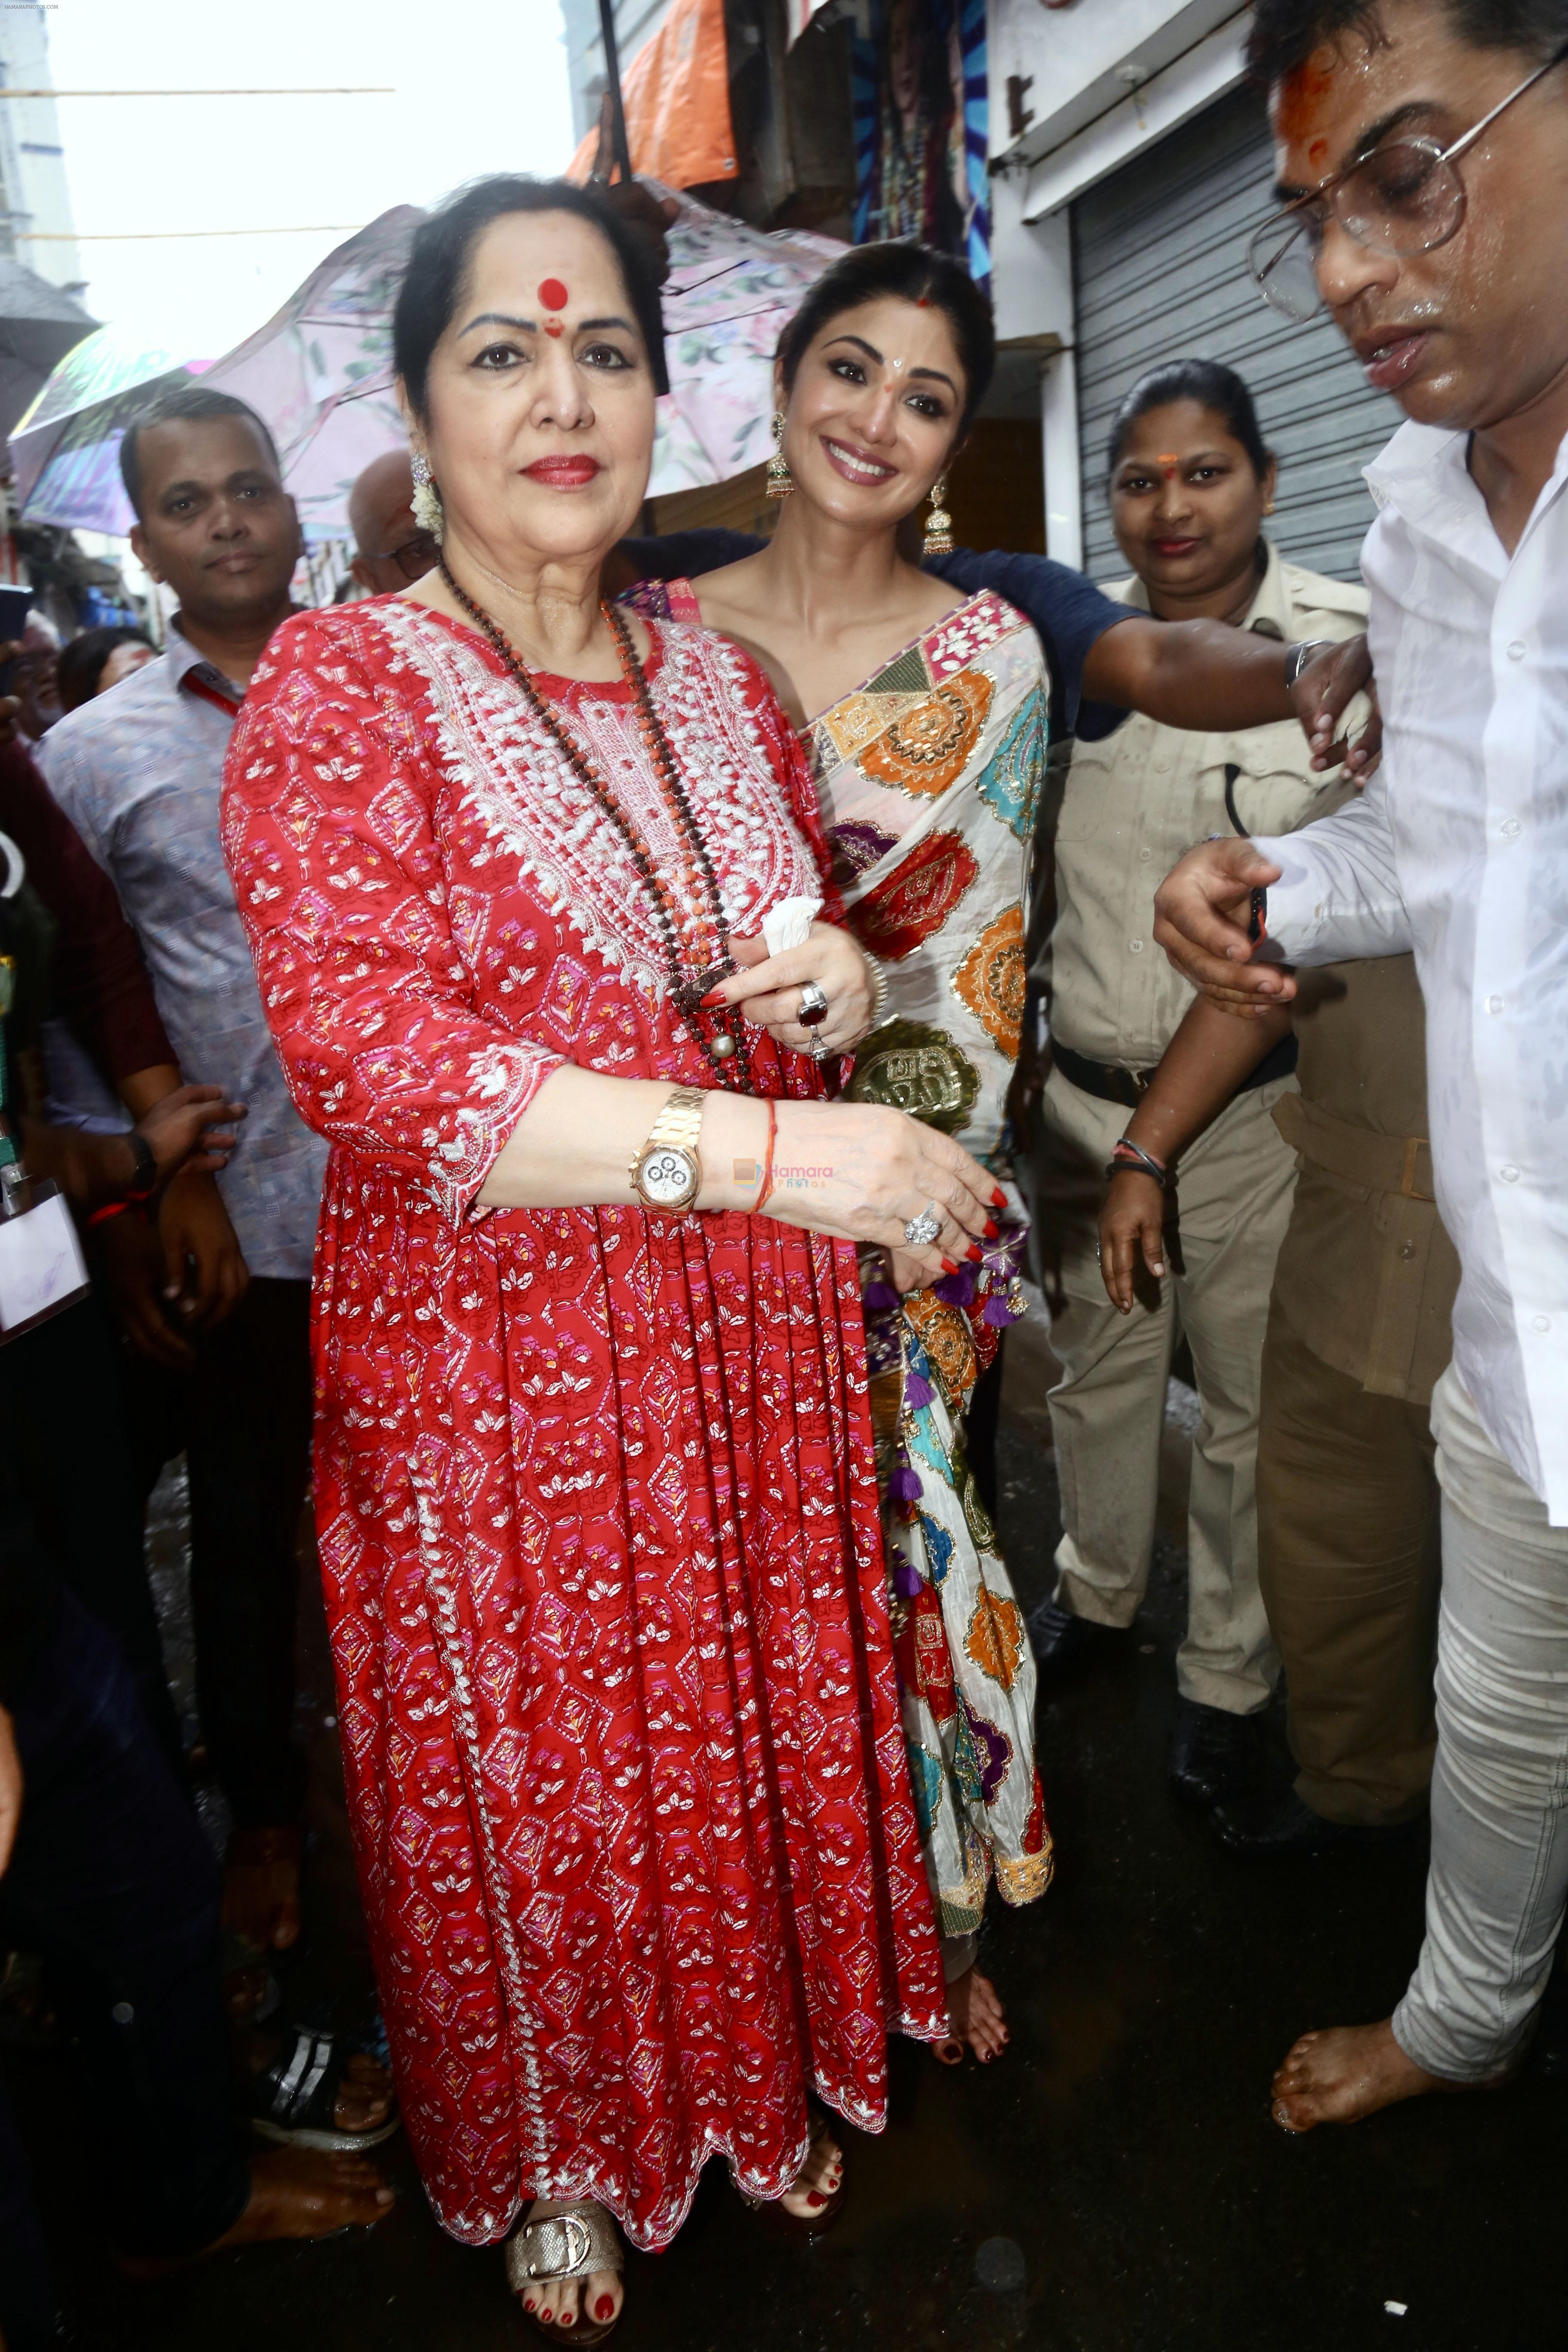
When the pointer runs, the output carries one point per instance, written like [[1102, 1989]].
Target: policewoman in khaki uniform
[[1191, 485]]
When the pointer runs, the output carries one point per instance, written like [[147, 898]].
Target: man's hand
[[10, 1789], [206, 1276], [1323, 693], [131, 1256], [190, 1131], [1200, 919]]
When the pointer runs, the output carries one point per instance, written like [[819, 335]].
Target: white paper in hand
[[789, 925]]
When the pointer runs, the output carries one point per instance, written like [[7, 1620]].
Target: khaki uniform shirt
[[1366, 1276], [1139, 800]]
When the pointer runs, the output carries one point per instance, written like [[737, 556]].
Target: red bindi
[[552, 326], [552, 294]]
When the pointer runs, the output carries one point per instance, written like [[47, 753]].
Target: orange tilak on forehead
[[553, 296], [1170, 467], [1303, 94]]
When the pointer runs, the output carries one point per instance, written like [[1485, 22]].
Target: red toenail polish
[[605, 2307]]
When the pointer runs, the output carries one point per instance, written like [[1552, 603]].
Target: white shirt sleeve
[[1338, 895]]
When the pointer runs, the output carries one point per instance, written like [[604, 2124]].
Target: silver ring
[[922, 1231], [813, 1010]]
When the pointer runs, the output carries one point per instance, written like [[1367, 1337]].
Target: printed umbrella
[[320, 371]]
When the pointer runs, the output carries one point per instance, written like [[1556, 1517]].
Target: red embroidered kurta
[[594, 1490]]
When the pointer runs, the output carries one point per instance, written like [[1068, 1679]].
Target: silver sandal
[[571, 2244]]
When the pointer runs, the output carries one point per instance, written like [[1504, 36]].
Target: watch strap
[[144, 1182], [678, 1124]]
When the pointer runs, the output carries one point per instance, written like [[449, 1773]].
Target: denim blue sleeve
[[1069, 615]]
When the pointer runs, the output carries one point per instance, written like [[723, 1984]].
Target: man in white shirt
[[1424, 147]]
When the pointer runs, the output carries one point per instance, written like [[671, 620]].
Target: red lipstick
[[563, 473]]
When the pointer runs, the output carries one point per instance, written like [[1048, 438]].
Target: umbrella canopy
[[38, 325], [320, 371]]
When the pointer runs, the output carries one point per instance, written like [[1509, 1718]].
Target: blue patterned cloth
[[138, 771]]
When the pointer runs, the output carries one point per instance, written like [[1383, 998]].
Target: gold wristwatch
[[666, 1173]]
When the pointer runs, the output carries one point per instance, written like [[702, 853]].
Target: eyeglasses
[[415, 558], [1405, 197]]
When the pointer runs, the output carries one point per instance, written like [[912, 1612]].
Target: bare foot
[[1349, 2072], [565, 2303], [818, 2180], [262, 1886], [294, 2193], [975, 2013]]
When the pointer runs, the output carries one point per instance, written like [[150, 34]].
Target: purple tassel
[[998, 1313], [906, 1579], [918, 1389], [879, 1296], [904, 1485]]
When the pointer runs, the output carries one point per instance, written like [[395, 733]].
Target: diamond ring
[[922, 1231], [813, 1010]]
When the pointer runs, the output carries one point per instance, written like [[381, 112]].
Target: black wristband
[[144, 1182]]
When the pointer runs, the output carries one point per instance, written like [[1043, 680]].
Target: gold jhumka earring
[[939, 523], [781, 481]]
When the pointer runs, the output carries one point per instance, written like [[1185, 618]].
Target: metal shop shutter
[[1160, 262]]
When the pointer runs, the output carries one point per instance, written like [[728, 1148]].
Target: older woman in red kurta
[[594, 1491]]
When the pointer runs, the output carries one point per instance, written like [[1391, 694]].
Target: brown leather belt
[[1112, 1082]]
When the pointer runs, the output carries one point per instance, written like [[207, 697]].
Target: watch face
[[668, 1178]]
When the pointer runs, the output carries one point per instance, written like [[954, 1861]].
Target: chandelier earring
[[426, 500], [781, 481], [939, 523]]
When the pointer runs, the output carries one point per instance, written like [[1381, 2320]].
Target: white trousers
[[1500, 1788]]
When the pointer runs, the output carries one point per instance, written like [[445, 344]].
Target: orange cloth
[[676, 93]]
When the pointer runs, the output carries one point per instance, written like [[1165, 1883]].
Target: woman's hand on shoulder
[[862, 1173], [768, 987]]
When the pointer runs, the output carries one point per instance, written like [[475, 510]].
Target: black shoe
[[1280, 1827], [1063, 1643], [1213, 1754]]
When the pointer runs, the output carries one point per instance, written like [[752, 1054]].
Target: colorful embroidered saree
[[927, 777]]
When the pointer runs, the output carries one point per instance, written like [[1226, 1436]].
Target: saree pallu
[[927, 777]]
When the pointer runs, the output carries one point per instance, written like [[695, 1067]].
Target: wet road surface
[[1114, 2185]]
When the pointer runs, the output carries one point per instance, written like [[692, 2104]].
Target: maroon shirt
[[101, 984]]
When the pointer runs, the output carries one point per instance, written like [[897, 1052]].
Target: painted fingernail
[[992, 1229], [998, 1198], [975, 1253], [605, 2307], [715, 996], [948, 1266]]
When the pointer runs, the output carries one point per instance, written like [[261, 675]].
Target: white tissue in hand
[[789, 925]]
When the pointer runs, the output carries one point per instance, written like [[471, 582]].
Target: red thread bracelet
[[767, 1184]]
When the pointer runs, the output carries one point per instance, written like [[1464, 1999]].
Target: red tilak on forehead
[[552, 294]]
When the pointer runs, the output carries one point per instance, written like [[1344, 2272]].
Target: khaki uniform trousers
[[1348, 1526], [1232, 1206]]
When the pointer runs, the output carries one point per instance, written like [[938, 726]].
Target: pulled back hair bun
[[441, 257], [1208, 383], [912, 273]]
